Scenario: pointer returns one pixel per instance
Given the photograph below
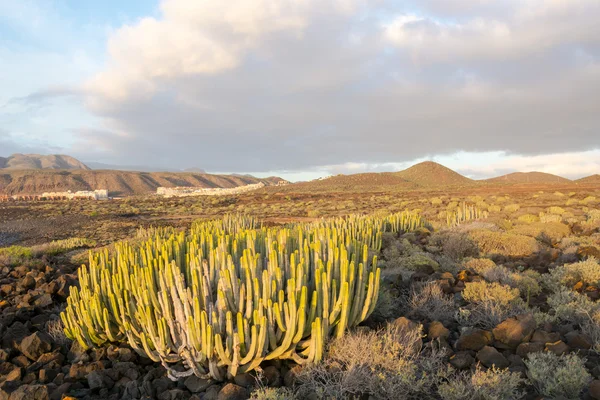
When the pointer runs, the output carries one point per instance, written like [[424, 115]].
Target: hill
[[431, 174], [592, 179], [119, 183], [38, 161], [365, 182], [528, 177]]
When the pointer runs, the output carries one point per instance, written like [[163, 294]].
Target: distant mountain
[[425, 175], [432, 174], [118, 183], [592, 179], [37, 161], [528, 177]]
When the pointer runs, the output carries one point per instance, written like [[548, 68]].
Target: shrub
[[488, 314], [510, 208], [480, 265], [494, 208], [591, 327], [568, 275], [62, 246], [492, 384], [555, 210], [428, 301], [506, 244], [456, 245], [385, 364], [545, 218], [481, 292], [528, 218], [269, 393], [555, 230], [570, 306], [414, 262], [14, 255], [554, 376]]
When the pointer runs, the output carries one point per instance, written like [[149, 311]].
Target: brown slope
[[592, 179], [37, 161], [430, 174], [366, 182], [119, 183], [528, 178]]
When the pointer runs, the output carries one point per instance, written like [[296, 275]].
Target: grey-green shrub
[[554, 376], [493, 384]]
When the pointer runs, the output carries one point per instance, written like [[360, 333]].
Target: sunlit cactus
[[230, 294]]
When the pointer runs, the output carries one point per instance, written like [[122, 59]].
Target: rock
[[14, 335], [127, 369], [529, 347], [14, 375], [437, 330], [514, 331], [473, 340], [540, 336], [195, 384], [557, 348], [462, 360], [30, 392], [81, 371], [272, 376], [233, 392], [33, 346], [60, 391], [28, 282], [489, 357], [594, 389], [123, 354], [212, 393], [173, 394], [43, 301], [289, 379], [515, 361], [244, 380], [577, 340]]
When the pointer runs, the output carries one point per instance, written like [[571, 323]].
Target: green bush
[[14, 255], [568, 275], [555, 376]]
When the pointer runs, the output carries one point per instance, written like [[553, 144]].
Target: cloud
[[264, 85]]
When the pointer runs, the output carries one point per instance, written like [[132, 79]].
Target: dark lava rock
[[233, 392], [195, 384], [489, 357], [30, 392], [462, 360], [474, 339], [35, 345], [514, 331]]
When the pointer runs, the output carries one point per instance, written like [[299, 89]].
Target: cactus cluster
[[464, 213], [229, 294]]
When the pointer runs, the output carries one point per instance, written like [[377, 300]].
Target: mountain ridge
[[19, 161]]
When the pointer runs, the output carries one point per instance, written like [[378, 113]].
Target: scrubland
[[482, 294]]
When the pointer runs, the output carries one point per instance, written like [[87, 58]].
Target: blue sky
[[304, 89]]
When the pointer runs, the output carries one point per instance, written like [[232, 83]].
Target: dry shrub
[[506, 244], [428, 301], [572, 307], [480, 265], [456, 245], [510, 208], [555, 230], [491, 303], [528, 218], [55, 329], [557, 376], [388, 364], [545, 218], [492, 384]]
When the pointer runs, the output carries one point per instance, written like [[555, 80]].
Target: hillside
[[431, 174], [592, 179], [38, 161], [366, 182], [528, 177], [119, 183]]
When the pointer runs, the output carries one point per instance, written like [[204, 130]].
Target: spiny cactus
[[228, 295]]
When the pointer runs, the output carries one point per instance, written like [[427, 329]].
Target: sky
[[305, 88]]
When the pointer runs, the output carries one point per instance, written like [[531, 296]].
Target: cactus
[[464, 213], [229, 294]]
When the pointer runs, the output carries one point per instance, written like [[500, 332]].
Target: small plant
[[269, 393], [480, 292], [568, 275], [506, 244], [554, 376], [429, 301], [14, 255], [492, 384]]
